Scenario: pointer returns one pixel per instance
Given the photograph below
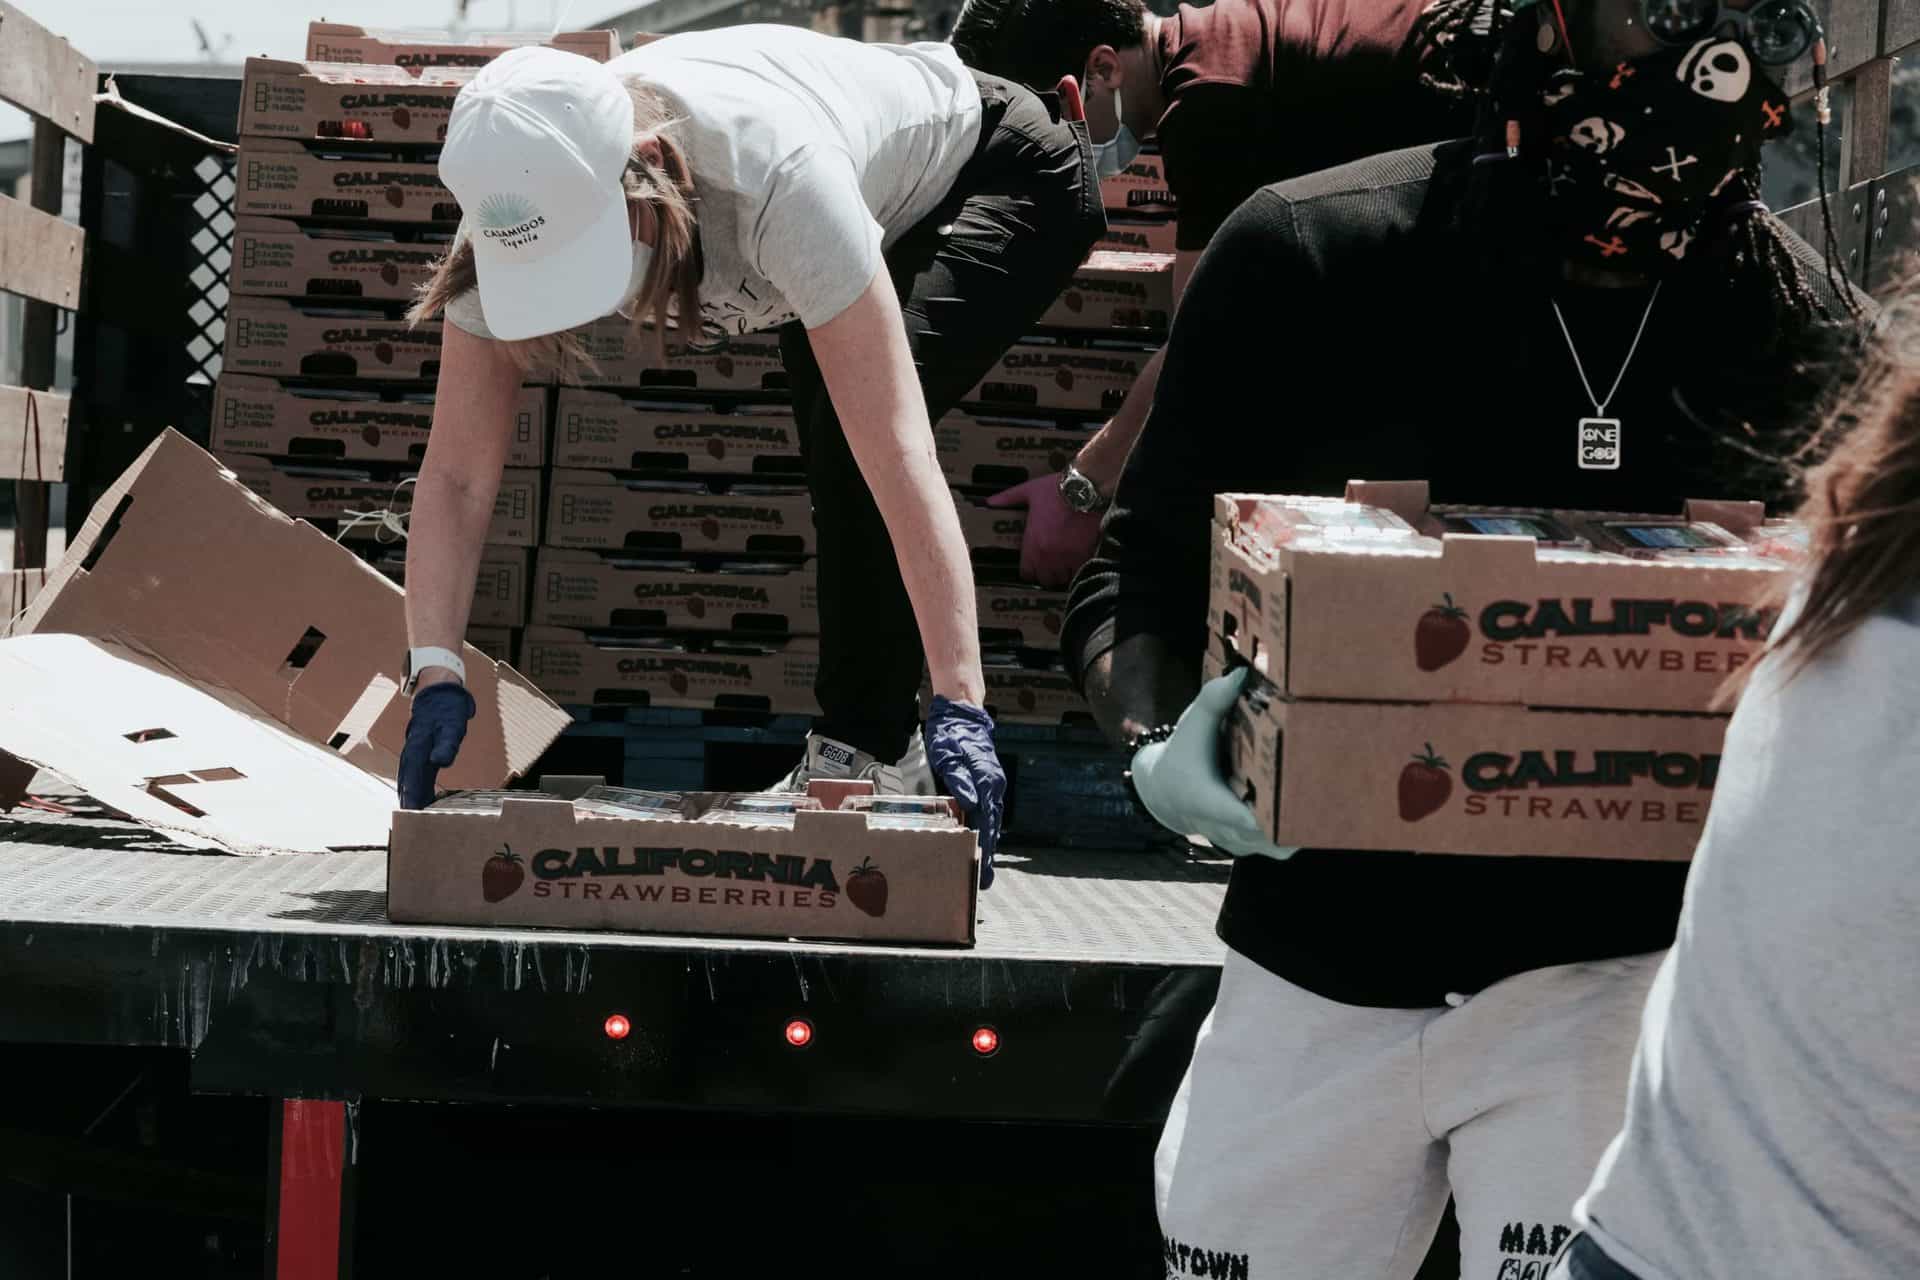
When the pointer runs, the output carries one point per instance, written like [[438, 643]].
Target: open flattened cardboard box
[[230, 675], [540, 862]]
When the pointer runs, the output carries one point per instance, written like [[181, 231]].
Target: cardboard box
[[263, 416], [418, 50], [607, 431], [282, 666], [993, 533], [1473, 778], [1139, 188], [1032, 375], [587, 590], [1117, 291], [830, 875], [621, 357], [1020, 615], [347, 493], [1139, 235], [980, 451], [502, 644], [338, 182], [577, 669], [602, 511], [280, 339], [1471, 618], [274, 257], [499, 588], [1029, 695], [385, 105]]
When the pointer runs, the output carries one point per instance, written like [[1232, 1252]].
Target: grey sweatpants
[[1312, 1139]]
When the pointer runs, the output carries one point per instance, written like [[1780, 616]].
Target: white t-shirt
[[1773, 1115], [810, 154]]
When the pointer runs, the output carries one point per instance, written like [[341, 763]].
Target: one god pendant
[[1599, 444]]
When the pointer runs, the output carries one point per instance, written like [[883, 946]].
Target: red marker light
[[799, 1033], [986, 1042], [618, 1026]]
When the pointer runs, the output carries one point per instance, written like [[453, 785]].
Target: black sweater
[[1344, 325]]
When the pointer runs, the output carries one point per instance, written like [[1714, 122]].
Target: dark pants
[[1584, 1260], [972, 277]]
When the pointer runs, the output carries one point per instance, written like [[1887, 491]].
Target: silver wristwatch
[[1079, 493]]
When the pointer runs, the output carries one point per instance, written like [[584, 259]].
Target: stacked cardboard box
[[326, 395], [676, 565], [1478, 681]]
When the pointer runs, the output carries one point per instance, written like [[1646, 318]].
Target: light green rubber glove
[[1180, 782]]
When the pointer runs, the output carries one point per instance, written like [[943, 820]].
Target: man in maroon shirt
[[1239, 94]]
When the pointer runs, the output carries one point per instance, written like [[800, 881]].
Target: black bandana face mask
[[1636, 156]]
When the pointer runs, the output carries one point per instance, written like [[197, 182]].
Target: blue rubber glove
[[1181, 784], [960, 749], [434, 734]]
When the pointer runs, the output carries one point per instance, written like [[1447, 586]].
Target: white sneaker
[[828, 758]]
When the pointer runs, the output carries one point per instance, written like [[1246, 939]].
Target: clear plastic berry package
[[934, 813], [1510, 523], [1645, 539], [627, 802], [760, 810], [1278, 521]]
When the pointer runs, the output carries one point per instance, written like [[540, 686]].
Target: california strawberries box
[[1022, 694], [606, 430], [1038, 375], [1389, 598], [419, 50], [280, 339], [696, 865], [593, 590], [1116, 291], [368, 103], [266, 416], [1138, 235], [1019, 615], [345, 182], [1473, 778], [582, 669], [604, 511], [379, 504], [993, 534], [1139, 188], [620, 356], [985, 451], [276, 257]]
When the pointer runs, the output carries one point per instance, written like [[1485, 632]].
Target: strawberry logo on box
[[1425, 786], [1441, 635], [502, 875], [867, 888]]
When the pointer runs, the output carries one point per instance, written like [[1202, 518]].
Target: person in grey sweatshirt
[[1773, 1113]]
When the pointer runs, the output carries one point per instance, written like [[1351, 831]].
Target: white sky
[[110, 31]]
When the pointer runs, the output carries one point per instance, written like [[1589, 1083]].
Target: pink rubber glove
[[1058, 540]]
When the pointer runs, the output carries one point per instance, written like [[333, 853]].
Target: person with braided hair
[[1392, 1027]]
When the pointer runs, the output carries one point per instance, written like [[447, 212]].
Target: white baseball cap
[[535, 150]]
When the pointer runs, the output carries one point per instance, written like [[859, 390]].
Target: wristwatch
[[418, 660], [1079, 493]]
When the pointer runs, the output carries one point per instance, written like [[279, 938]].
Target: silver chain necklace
[[1599, 436]]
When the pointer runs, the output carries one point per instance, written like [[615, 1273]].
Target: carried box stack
[[326, 392], [1485, 681], [1030, 416], [676, 565]]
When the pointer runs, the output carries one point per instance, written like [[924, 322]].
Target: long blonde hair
[[672, 286], [1862, 509]]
